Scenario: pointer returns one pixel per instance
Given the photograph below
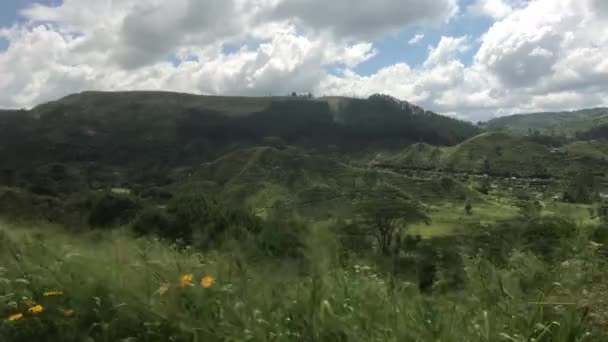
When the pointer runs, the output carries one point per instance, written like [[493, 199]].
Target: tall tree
[[385, 212]]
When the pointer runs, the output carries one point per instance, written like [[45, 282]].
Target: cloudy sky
[[473, 59]]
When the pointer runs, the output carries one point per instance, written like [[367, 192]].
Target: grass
[[126, 289]]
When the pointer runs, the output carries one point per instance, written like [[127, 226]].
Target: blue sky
[[392, 48], [476, 59], [9, 13]]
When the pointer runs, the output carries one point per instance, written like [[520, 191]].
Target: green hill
[[171, 128], [264, 178], [503, 154], [566, 123]]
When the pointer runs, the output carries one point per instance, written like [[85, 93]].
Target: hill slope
[[264, 178], [567, 123], [175, 128], [503, 154]]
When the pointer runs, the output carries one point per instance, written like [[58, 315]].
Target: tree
[[111, 209], [486, 166], [385, 211], [468, 208], [485, 186], [581, 187], [602, 212], [499, 150], [447, 184], [530, 210]]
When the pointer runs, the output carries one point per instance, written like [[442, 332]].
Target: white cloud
[[547, 55], [416, 39], [365, 19], [540, 54], [496, 9], [446, 50], [281, 45]]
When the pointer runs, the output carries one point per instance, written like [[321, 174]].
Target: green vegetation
[[113, 287], [558, 123], [147, 216], [503, 154]]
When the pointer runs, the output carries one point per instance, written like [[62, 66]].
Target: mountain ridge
[[178, 127]]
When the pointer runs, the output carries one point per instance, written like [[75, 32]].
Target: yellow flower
[[207, 282], [15, 317], [68, 313], [36, 309], [186, 280], [52, 293]]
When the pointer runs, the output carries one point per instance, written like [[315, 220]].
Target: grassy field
[[108, 286]]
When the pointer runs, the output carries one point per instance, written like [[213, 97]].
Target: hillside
[[175, 128], [565, 123], [503, 154], [264, 178]]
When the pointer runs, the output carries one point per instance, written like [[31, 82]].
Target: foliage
[[111, 209], [530, 210], [167, 128], [580, 188], [147, 290], [385, 212], [560, 123], [468, 208]]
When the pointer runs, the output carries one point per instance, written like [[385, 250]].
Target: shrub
[[152, 221], [468, 208], [111, 209], [279, 238], [447, 184]]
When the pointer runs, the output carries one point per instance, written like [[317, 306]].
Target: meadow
[[112, 286]]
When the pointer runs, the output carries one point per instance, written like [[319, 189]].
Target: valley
[[166, 216]]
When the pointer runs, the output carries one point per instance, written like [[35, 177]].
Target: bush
[[152, 221], [193, 219], [112, 210], [282, 238], [447, 184]]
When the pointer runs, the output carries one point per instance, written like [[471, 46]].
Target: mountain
[[567, 123], [171, 128]]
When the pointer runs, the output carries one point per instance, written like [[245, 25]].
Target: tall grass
[[118, 288]]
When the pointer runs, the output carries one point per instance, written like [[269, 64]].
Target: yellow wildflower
[[36, 309], [68, 313], [52, 293], [186, 280], [15, 317], [207, 282]]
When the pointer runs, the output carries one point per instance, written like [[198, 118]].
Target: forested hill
[[171, 127], [569, 123]]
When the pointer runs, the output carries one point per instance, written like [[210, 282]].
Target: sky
[[470, 59]]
